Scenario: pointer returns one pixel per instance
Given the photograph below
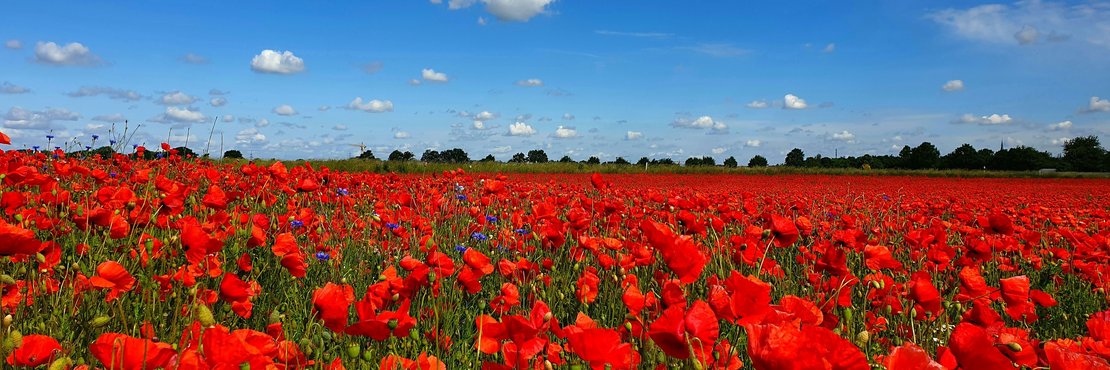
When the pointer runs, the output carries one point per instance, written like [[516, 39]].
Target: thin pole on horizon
[[210, 132]]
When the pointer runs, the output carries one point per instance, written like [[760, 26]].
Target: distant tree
[[1085, 154], [366, 155], [924, 156], [185, 152], [796, 158], [757, 161], [233, 154], [964, 157], [397, 155], [642, 161], [455, 155], [593, 160], [430, 156], [518, 158], [731, 162], [905, 156], [1021, 158], [488, 158], [662, 161], [566, 159], [537, 156], [621, 161]]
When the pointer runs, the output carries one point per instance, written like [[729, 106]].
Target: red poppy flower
[[120, 352], [239, 294], [215, 198], [1015, 292], [1072, 357], [784, 231], [974, 349], [332, 304], [112, 276], [786, 346], [603, 348], [910, 357], [879, 257], [679, 252], [679, 330], [587, 286], [4, 139], [36, 350], [15, 240]]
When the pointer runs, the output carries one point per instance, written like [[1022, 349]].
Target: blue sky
[[578, 78]]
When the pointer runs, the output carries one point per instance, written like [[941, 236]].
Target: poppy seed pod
[[100, 321], [204, 315], [1014, 346]]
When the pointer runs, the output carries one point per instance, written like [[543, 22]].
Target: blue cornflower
[[112, 174], [36, 148], [460, 197], [459, 248], [296, 224], [158, 155], [342, 192], [95, 137], [392, 226], [111, 142], [491, 218], [459, 187], [49, 137], [521, 231], [323, 256], [478, 236], [88, 147], [886, 197]]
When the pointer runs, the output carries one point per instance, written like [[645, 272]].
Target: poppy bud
[[204, 315], [766, 233], [367, 355], [547, 365], [576, 367], [18, 217], [245, 366], [396, 296], [7, 279], [14, 340], [546, 316], [863, 338], [343, 280], [432, 277], [628, 325], [39, 257], [275, 317], [877, 284], [8, 321], [60, 364], [326, 335], [913, 312], [100, 321], [1014, 346], [848, 314], [353, 350], [414, 334]]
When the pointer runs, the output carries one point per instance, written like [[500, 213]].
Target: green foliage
[[235, 154], [796, 158], [757, 161]]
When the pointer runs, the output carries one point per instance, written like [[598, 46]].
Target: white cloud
[[250, 136], [193, 59], [484, 116], [1064, 125], [1027, 35], [176, 98], [182, 115], [277, 62], [719, 150], [10, 88], [953, 85], [482, 21], [19, 118], [831, 47], [414, 82], [285, 110], [844, 136], [754, 143], [502, 149], [531, 82], [228, 118], [373, 67], [564, 132], [429, 74], [72, 54], [218, 101], [993, 119], [758, 104], [324, 108], [262, 123], [339, 128], [372, 106], [568, 117], [479, 125], [13, 44], [703, 122], [633, 135], [111, 93], [401, 135], [110, 118], [521, 129], [1060, 141], [516, 10], [791, 101], [1098, 105], [1028, 22]]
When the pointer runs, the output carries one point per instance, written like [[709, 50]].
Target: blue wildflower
[[296, 224], [323, 256], [95, 137], [521, 231], [392, 226], [478, 236], [342, 192], [491, 219], [460, 197], [459, 248]]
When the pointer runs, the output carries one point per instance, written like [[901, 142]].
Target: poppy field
[[123, 263]]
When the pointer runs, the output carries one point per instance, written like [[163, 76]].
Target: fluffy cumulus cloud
[[1098, 105], [568, 117], [1063, 125], [531, 82], [176, 98], [372, 106], [479, 125], [993, 119], [754, 143], [953, 85], [505, 10], [218, 101], [633, 135], [13, 44], [19, 118], [703, 122], [71, 54], [791, 101], [194, 59], [285, 110], [844, 136], [758, 104], [110, 92], [10, 88], [521, 129], [565, 132], [110, 118], [401, 135], [484, 116], [277, 62], [429, 74], [181, 115], [719, 150], [1029, 22], [250, 136]]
